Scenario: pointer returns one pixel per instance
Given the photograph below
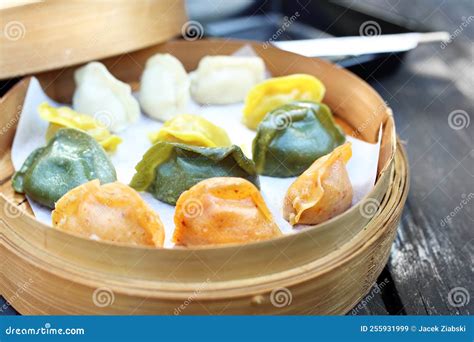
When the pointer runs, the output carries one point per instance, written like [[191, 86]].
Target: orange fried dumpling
[[222, 210], [112, 212], [323, 191]]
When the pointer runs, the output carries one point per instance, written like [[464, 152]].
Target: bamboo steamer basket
[[325, 269]]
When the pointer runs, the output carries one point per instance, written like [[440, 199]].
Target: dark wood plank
[[431, 274]]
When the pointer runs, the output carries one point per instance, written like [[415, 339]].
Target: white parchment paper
[[31, 132]]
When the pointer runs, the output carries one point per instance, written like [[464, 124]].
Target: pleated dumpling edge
[[323, 191]]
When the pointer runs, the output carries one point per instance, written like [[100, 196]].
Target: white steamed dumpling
[[226, 79], [164, 87], [99, 94]]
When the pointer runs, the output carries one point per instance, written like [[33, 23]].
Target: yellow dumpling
[[64, 117], [111, 212], [275, 92], [222, 210], [191, 130], [323, 191]]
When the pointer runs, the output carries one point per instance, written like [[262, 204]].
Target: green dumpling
[[70, 159], [291, 137], [168, 169]]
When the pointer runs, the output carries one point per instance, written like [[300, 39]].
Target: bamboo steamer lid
[[39, 36]]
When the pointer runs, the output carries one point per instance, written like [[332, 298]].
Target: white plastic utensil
[[360, 45]]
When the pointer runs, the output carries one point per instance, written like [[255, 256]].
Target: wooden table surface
[[430, 270]]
